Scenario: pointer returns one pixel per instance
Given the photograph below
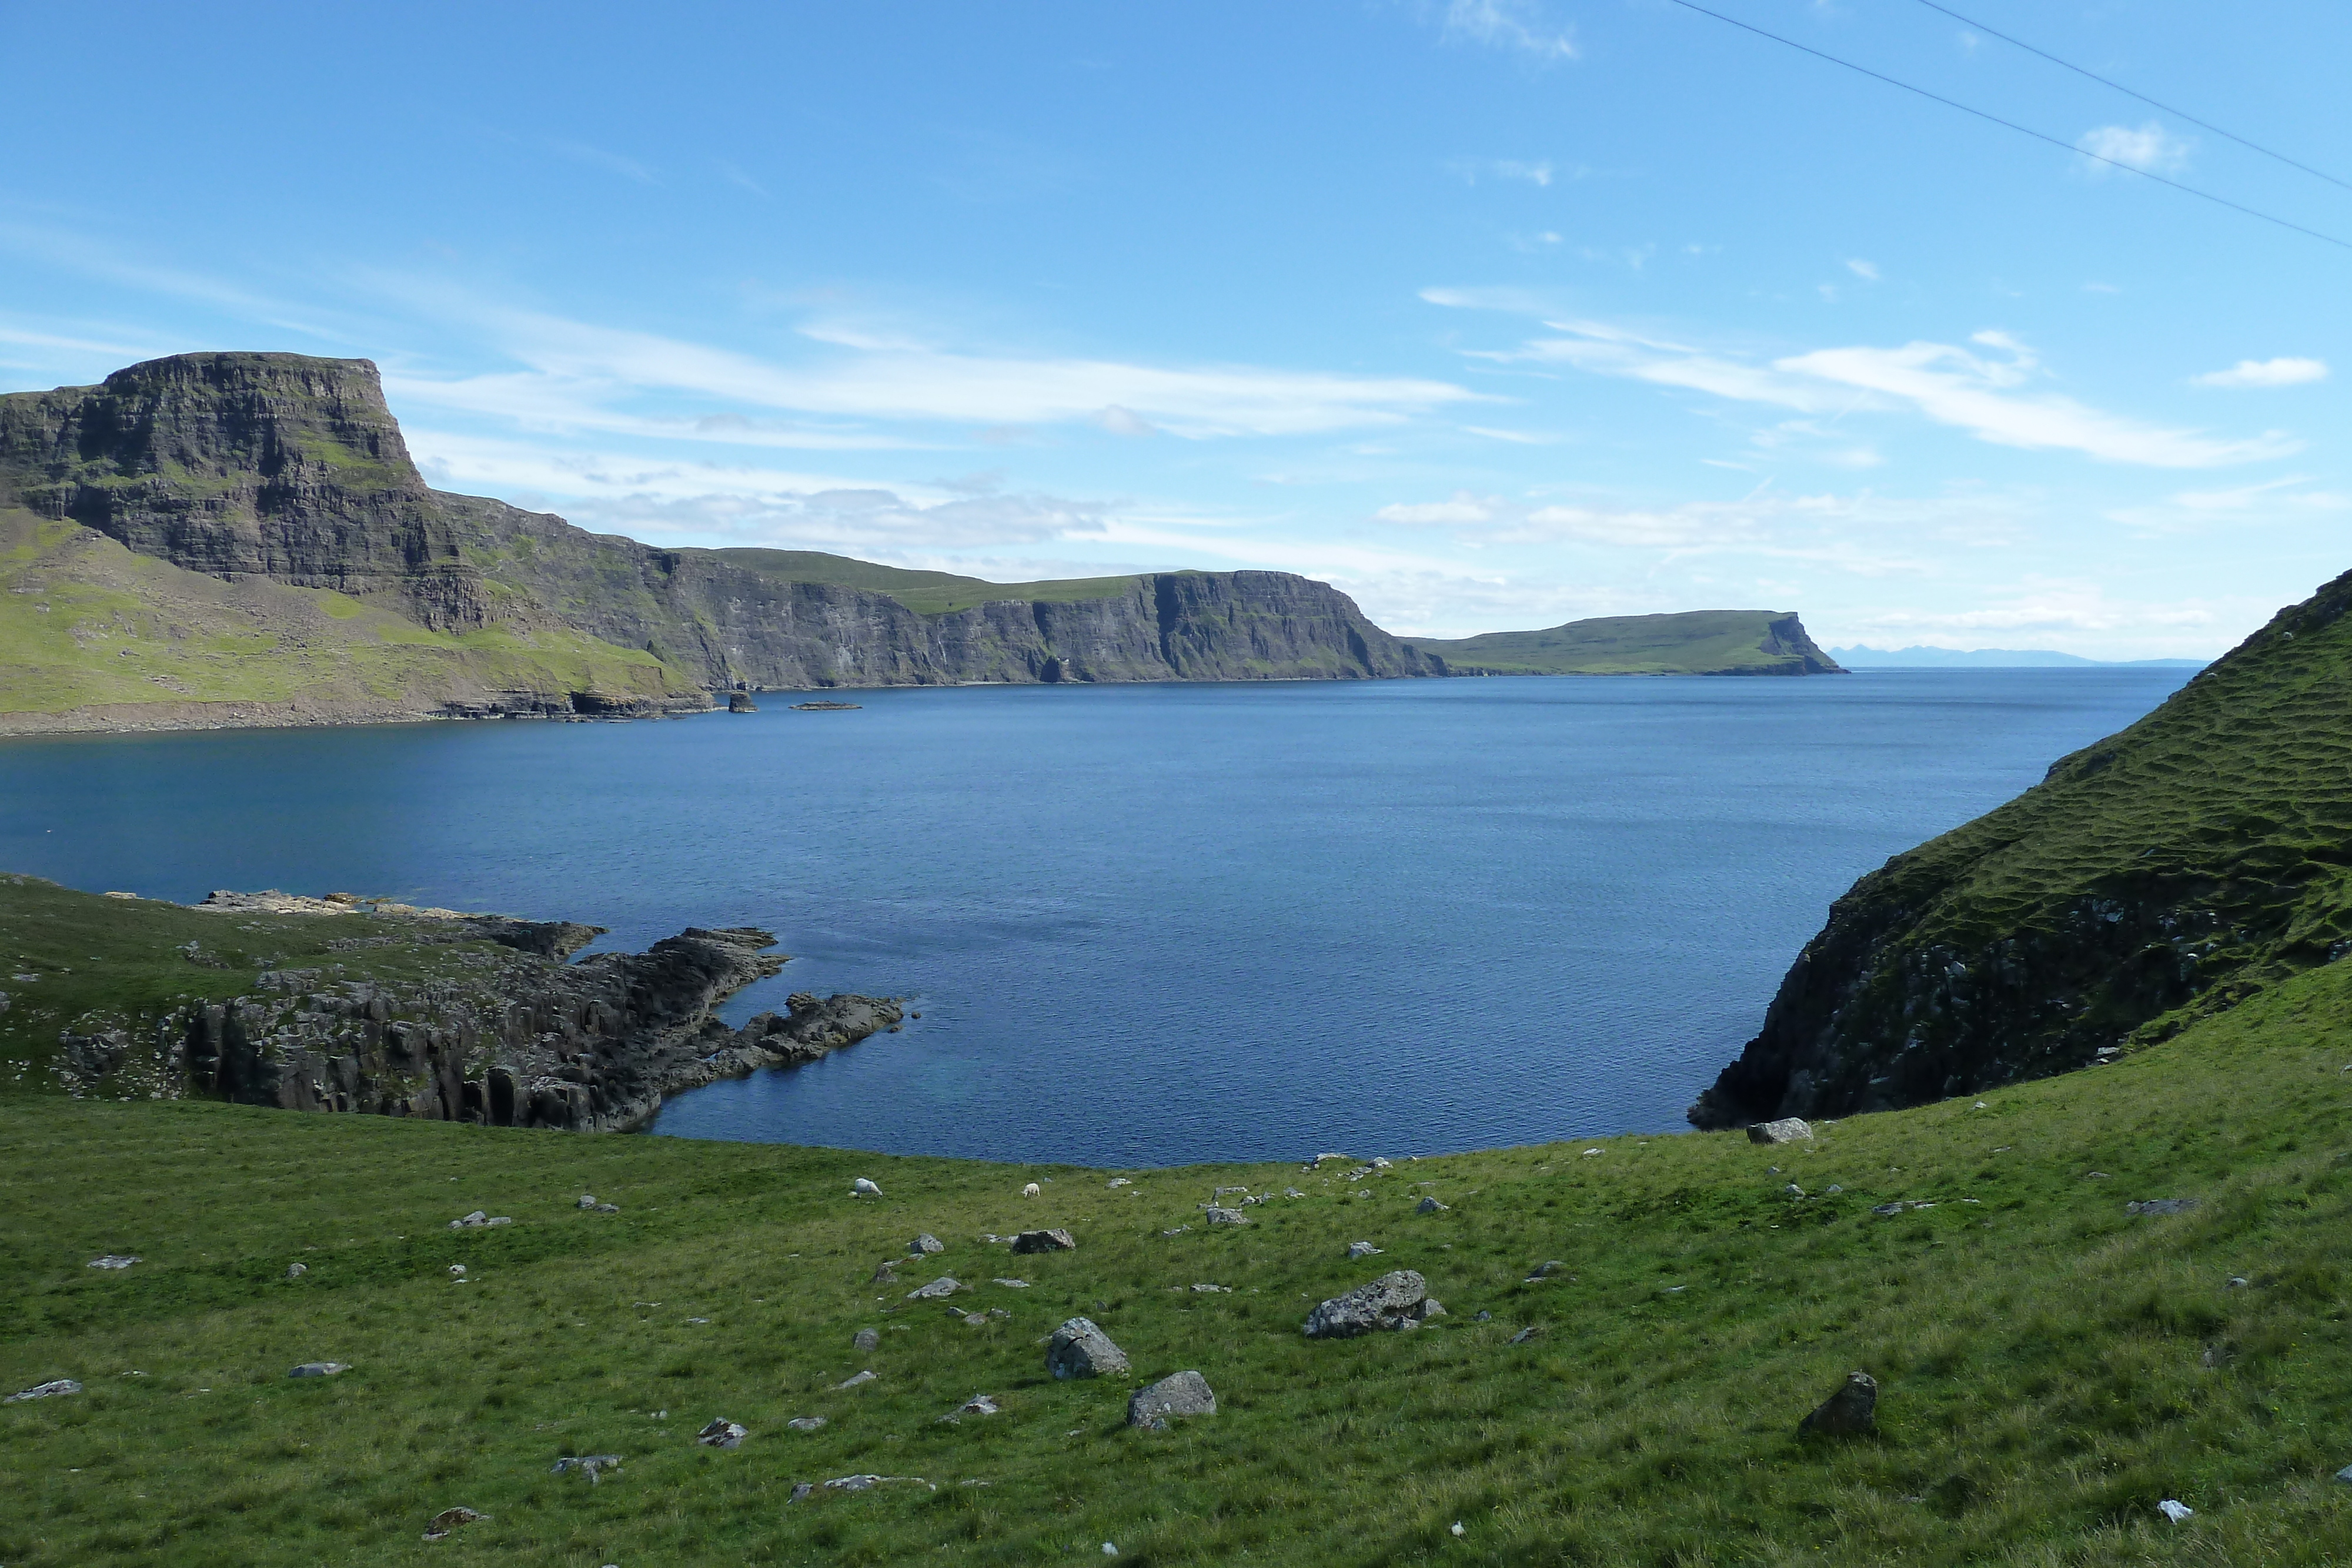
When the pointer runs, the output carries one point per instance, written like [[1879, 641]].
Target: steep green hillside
[[1696, 643], [2164, 873], [93, 635], [924, 592], [2051, 1365]]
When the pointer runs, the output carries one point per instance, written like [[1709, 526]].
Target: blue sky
[[1495, 313]]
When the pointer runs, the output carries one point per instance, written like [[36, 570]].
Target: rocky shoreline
[[508, 1034]]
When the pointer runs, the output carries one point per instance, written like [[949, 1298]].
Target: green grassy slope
[[2051, 1366], [87, 624], [1696, 643], [924, 592], [2165, 872]]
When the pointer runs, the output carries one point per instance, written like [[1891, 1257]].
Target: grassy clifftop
[[2163, 874], [924, 592], [2051, 1365], [1695, 642]]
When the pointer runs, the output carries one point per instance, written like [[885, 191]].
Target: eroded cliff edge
[[2165, 872]]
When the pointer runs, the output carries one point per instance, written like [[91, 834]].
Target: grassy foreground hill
[[2052, 1367]]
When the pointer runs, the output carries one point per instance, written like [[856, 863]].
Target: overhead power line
[[2128, 92], [2020, 130]]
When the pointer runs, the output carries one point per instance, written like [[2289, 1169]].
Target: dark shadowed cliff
[[2165, 873]]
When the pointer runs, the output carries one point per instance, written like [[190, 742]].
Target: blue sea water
[[1146, 924]]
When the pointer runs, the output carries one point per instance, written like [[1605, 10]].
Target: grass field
[[2051, 1366], [924, 592]]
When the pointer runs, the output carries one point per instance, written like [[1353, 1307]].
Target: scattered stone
[[2344, 1475], [320, 1369], [50, 1390], [1851, 1412], [973, 1320], [1031, 1190], [1385, 1303], [938, 1290], [801, 1490], [867, 1483], [449, 1520], [978, 1404], [2217, 1355], [2237, 1283], [1977, 1106], [864, 1377], [861, 1187], [722, 1434], [1213, 1289], [1292, 1192], [926, 1244], [587, 1200], [1527, 1334], [1120, 1181], [1044, 1241], [2175, 1511], [589, 1465], [1832, 1190], [2161, 1206], [1887, 1210], [1429, 1206], [608, 1208], [479, 1220], [2096, 1175], [698, 1320], [1793, 1191], [1178, 1231], [1484, 1318], [1588, 1154], [1320, 1161], [112, 1261], [1362, 1250], [1079, 1349], [1549, 1267], [296, 1270], [1787, 1130], [866, 1339], [1226, 1216], [1379, 1164], [1180, 1393], [806, 1423], [1012, 1284]]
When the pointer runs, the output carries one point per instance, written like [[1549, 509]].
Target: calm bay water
[[1146, 924]]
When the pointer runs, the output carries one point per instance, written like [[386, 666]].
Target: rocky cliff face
[[2163, 874], [267, 466], [291, 469]]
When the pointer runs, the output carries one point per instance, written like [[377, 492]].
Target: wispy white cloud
[[1536, 173], [1518, 24], [2282, 373], [597, 158], [2151, 148], [1982, 391], [2282, 501], [1866, 270]]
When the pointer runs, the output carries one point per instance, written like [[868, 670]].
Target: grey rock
[[855, 1380], [2344, 1475], [978, 1404], [587, 1200], [1079, 1349], [1527, 1334], [1212, 1290], [1012, 1284], [50, 1390], [1429, 1206], [296, 1270], [887, 1272], [1044, 1241], [112, 1261], [1362, 1250], [1887, 1210], [926, 1243], [479, 1220], [865, 1188], [1428, 1308], [722, 1434], [2160, 1205], [1851, 1412], [440, 1525], [1547, 1268], [938, 1290], [1385, 1303], [589, 1465], [608, 1208], [1226, 1216], [1179, 1394], [1178, 1231], [866, 1339], [320, 1369], [1787, 1130], [1292, 1192], [806, 1423], [801, 1490], [1484, 1317]]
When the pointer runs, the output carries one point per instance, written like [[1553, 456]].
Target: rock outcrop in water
[[2164, 873], [526, 1040]]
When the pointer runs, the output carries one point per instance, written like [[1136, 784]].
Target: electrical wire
[[2128, 92], [2020, 130]]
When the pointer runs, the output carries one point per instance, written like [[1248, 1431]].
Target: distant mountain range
[[241, 539], [1861, 658]]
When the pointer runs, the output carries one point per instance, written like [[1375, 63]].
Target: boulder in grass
[[1079, 1349], [938, 1290], [862, 1187], [925, 1244], [1226, 1216], [1429, 1206], [320, 1369], [1056, 1240], [2161, 1206], [1362, 1249], [113, 1262], [1388, 1303], [722, 1434], [1182, 1394], [866, 1339], [1851, 1412], [1787, 1130], [447, 1520], [588, 1465], [50, 1390]]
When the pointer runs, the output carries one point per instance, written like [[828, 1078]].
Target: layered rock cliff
[[2162, 873]]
